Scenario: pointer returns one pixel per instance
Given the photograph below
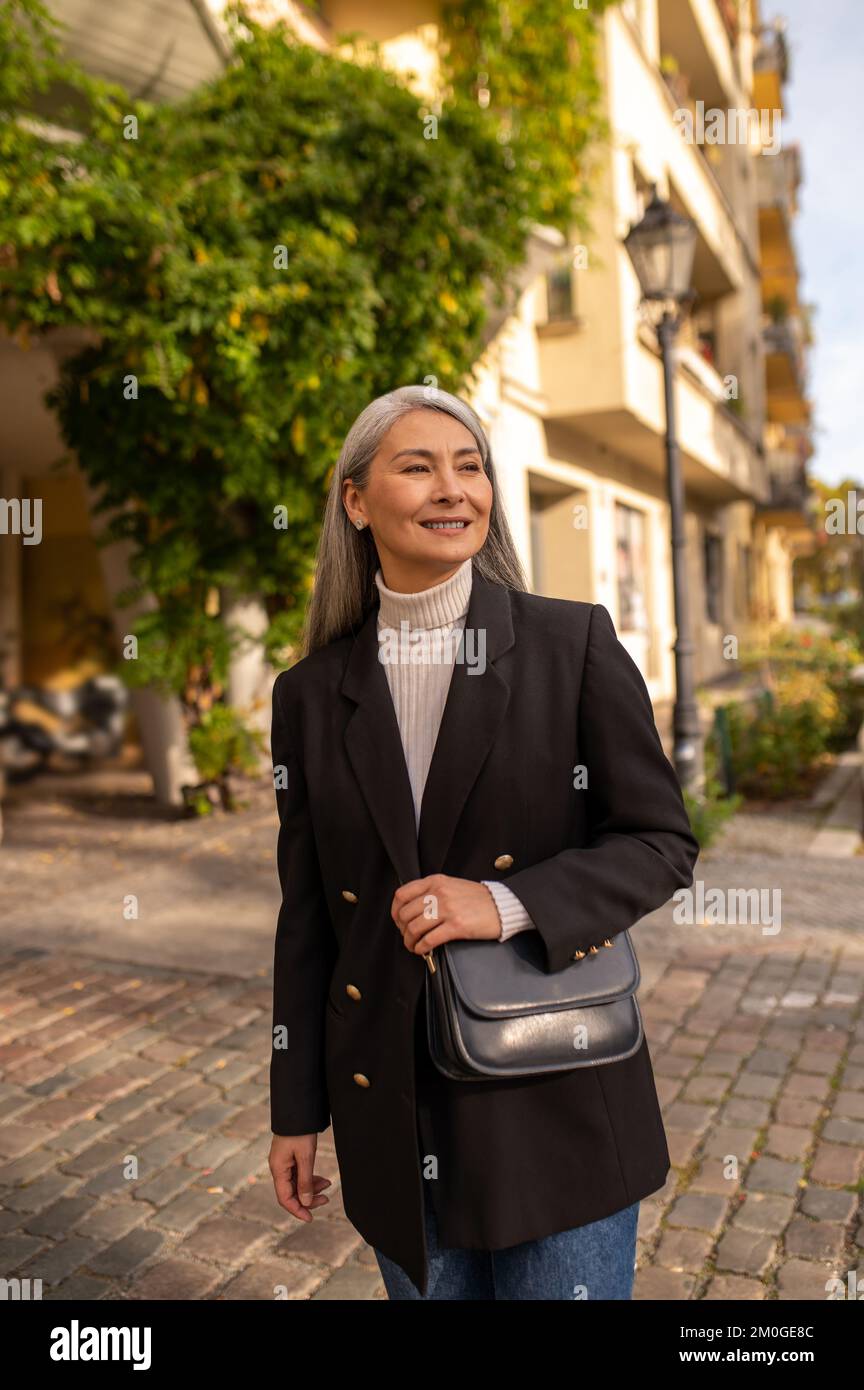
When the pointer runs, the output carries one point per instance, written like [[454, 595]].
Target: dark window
[[559, 293], [713, 575], [745, 579]]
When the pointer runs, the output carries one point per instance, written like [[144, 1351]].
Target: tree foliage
[[533, 65], [259, 260]]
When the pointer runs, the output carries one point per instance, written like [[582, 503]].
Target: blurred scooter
[[84, 723]]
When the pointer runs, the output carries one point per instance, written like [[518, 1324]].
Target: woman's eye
[[410, 469]]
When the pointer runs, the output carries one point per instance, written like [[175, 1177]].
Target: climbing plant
[[533, 67], [255, 262]]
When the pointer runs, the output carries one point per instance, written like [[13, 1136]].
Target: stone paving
[[134, 1093]]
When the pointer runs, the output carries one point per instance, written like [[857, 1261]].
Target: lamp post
[[661, 248]]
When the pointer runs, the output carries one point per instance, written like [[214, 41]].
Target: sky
[[824, 113]]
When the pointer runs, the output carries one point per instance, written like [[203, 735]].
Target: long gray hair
[[346, 560]]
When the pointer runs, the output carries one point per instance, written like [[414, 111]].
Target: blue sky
[[824, 102]]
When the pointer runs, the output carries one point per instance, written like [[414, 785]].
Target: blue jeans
[[594, 1261]]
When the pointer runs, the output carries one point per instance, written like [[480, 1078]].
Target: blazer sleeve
[[305, 950], [641, 846]]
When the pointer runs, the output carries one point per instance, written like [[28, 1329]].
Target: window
[[631, 568], [560, 297], [713, 553], [745, 579], [703, 326]]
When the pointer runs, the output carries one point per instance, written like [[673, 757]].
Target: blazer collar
[[473, 712]]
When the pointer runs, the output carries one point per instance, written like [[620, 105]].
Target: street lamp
[[661, 248]]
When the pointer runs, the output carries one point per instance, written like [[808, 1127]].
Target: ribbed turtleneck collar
[[440, 606]]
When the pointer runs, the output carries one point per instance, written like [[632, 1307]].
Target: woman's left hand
[[429, 911]]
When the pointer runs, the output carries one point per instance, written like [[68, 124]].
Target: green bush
[[775, 749], [709, 811], [847, 618], [830, 658], [221, 745]]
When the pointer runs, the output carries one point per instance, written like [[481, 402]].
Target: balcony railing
[[777, 179], [791, 447], [786, 337], [787, 483], [772, 52]]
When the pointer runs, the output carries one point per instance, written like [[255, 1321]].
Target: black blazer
[[525, 1157]]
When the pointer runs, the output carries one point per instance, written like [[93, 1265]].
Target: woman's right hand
[[292, 1159]]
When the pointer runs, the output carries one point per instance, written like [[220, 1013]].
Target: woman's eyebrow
[[429, 454]]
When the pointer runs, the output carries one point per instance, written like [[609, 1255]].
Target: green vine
[[257, 262], [535, 65]]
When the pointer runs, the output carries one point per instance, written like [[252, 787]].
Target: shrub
[[221, 745], [775, 750], [830, 657], [710, 810]]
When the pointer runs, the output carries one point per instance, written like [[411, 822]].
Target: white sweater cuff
[[511, 912]]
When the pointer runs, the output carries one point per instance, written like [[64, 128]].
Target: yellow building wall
[[66, 618]]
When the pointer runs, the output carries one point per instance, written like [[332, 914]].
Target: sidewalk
[[135, 1057]]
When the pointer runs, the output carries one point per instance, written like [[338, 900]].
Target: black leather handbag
[[492, 1011]]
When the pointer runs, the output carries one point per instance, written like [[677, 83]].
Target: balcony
[[159, 52], [789, 492], [778, 177], [772, 51], [644, 113], [770, 67], [788, 484], [785, 337], [702, 35], [777, 180], [614, 396], [785, 381]]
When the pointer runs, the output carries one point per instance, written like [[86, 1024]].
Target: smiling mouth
[[445, 525]]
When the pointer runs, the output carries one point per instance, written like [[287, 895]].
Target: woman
[[410, 773]]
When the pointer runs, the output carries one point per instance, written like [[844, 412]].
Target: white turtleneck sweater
[[419, 691]]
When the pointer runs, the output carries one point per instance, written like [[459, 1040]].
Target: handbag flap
[[503, 979]]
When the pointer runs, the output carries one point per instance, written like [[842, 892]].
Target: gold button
[[577, 955], [607, 942], [349, 896], [503, 861], [353, 991], [361, 1079], [593, 950]]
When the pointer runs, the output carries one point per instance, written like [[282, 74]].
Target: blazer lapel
[[473, 712], [374, 746]]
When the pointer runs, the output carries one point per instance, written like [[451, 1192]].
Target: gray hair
[[346, 559]]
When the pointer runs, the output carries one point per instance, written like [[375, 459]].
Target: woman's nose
[[448, 487]]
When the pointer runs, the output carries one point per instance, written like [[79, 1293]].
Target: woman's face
[[428, 468]]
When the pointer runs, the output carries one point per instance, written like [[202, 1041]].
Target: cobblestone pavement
[[134, 1094]]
